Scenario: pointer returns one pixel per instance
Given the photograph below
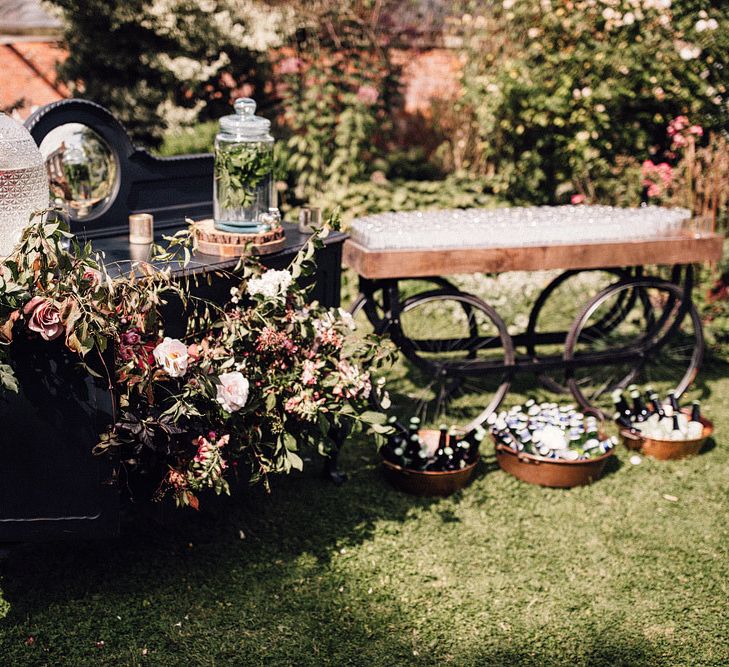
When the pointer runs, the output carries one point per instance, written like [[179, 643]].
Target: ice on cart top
[[515, 226]]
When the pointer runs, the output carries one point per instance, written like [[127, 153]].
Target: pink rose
[[232, 392], [577, 199], [92, 276], [697, 130], [43, 318], [654, 190]]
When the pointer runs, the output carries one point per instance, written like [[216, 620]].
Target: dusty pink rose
[[92, 276], [577, 199], [654, 190], [43, 318], [697, 130], [367, 94], [131, 337]]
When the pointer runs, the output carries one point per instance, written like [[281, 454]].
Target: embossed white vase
[[23, 182]]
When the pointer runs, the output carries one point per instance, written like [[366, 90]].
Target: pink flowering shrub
[[564, 96]]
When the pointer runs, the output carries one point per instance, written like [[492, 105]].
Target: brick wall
[[28, 72], [427, 75]]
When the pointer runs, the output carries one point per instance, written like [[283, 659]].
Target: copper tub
[[556, 473], [427, 482], [665, 450]]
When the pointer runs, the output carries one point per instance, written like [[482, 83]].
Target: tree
[[161, 63]]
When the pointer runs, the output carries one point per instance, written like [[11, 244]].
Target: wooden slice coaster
[[212, 241]]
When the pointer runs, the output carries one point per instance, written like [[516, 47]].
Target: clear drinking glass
[[243, 188]]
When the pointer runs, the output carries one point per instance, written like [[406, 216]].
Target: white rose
[[232, 391], [271, 284], [171, 354]]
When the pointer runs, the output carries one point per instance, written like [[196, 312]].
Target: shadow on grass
[[303, 515], [603, 651]]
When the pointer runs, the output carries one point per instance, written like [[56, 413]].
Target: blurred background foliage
[[555, 98]]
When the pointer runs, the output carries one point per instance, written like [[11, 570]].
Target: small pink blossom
[[577, 199], [677, 125], [654, 190], [290, 65], [309, 372], [367, 95], [697, 130]]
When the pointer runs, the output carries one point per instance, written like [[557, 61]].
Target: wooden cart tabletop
[[686, 248]]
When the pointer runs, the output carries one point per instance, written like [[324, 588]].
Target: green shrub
[[360, 199], [338, 88], [183, 141], [557, 92]]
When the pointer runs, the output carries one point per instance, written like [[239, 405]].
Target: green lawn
[[633, 570]]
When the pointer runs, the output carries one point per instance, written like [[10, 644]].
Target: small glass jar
[[243, 188], [23, 182]]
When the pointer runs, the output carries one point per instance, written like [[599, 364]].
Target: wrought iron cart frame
[[382, 271]]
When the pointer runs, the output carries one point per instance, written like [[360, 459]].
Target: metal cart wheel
[[554, 311], [368, 308], [658, 341], [456, 359]]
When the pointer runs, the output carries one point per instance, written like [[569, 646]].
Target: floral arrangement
[[254, 381]]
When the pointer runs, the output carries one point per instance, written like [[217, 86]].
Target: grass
[[633, 570]]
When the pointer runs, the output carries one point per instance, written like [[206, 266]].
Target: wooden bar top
[[683, 249]]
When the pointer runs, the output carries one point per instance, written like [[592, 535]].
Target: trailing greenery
[[255, 380]]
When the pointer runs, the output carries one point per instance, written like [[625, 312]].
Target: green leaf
[[295, 460]]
